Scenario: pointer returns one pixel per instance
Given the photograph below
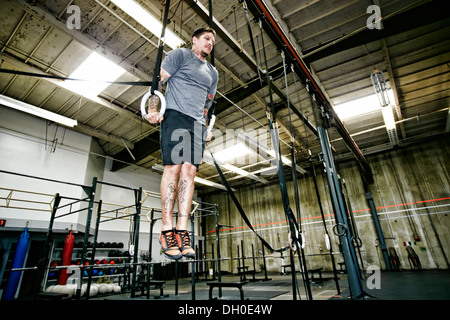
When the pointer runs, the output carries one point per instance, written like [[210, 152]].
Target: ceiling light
[[235, 169], [360, 106], [42, 113], [210, 183], [143, 17], [383, 94], [379, 85], [262, 149], [208, 159], [357, 107], [388, 117], [95, 70], [285, 160], [236, 150]]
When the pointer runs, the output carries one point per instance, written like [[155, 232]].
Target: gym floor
[[404, 285]]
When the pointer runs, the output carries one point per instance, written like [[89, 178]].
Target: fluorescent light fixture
[[143, 17], [358, 107], [236, 169], [384, 96], [285, 160], [229, 153], [388, 117], [96, 69], [210, 183], [262, 148], [236, 150], [208, 159], [42, 113]]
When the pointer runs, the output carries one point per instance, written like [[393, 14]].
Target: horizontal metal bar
[[117, 185], [44, 179], [125, 216]]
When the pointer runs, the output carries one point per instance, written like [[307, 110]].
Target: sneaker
[[184, 243], [169, 245]]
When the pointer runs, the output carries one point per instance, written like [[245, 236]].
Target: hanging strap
[[156, 72], [252, 42], [241, 211], [274, 135], [48, 76], [293, 160], [159, 55], [211, 117], [273, 126]]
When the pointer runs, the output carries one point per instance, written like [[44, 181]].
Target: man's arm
[[209, 112], [153, 115]]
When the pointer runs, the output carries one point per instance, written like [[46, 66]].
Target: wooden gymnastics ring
[[147, 96]]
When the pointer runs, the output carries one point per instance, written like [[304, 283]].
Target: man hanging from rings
[[191, 86]]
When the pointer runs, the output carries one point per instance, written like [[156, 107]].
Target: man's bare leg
[[169, 183], [185, 194], [168, 238]]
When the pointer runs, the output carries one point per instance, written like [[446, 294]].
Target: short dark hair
[[198, 32]]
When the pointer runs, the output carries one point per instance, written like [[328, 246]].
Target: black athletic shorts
[[182, 139]]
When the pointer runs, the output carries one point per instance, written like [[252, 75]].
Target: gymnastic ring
[[144, 103], [340, 225]]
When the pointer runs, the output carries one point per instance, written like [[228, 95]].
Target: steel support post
[[342, 227], [90, 191], [137, 219], [378, 229], [193, 264], [219, 277]]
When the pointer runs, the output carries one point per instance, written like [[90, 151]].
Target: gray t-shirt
[[190, 83]]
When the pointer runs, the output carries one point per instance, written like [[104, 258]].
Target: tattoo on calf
[[169, 197], [182, 189]]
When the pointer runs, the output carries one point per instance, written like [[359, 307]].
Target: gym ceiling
[[330, 40]]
